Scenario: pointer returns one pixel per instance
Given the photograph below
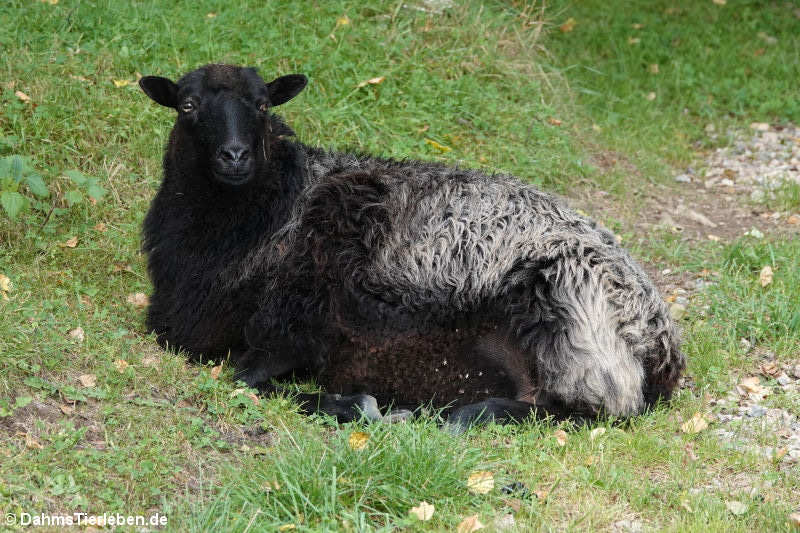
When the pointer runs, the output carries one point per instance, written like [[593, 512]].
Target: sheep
[[392, 282]]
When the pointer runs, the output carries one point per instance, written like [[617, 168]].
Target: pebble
[[760, 160], [783, 379], [756, 411], [683, 178]]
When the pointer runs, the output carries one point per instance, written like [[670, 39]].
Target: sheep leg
[[344, 408], [508, 411]]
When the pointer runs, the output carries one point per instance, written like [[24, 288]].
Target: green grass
[[719, 65], [163, 436]]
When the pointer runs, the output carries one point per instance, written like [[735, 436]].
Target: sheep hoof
[[499, 410], [349, 408], [398, 415]]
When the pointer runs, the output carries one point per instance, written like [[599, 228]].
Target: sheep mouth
[[231, 178]]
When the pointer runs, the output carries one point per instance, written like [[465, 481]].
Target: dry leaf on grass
[[771, 369], [22, 96], [794, 220], [138, 299], [653, 68], [100, 226], [88, 380], [344, 20], [696, 424], [121, 365], [216, 371], [596, 432], [554, 121], [72, 242], [122, 267], [751, 384], [358, 440], [66, 409], [480, 482], [121, 83], [720, 2], [794, 518], [287, 527], [651, 96], [514, 503], [210, 15], [423, 511], [469, 524], [150, 360], [5, 286], [765, 276], [371, 81], [568, 26], [31, 443], [561, 437], [541, 494], [77, 334]]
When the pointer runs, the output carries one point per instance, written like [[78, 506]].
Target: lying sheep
[[411, 281]]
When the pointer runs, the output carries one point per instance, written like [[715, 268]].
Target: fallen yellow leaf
[[31, 442], [371, 81], [765, 276], [696, 424], [358, 440], [423, 511], [480, 482], [22, 96], [121, 365], [211, 15], [121, 83], [653, 68], [751, 384], [88, 380], [287, 527], [344, 20], [561, 437], [138, 299], [77, 334], [442, 148], [469, 524], [596, 432], [5, 286], [216, 371], [568, 26]]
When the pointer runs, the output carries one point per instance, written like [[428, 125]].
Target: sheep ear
[[283, 89], [161, 90]]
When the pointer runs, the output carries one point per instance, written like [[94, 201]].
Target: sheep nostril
[[234, 154]]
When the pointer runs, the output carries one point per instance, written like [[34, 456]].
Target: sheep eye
[[187, 107], [263, 107]]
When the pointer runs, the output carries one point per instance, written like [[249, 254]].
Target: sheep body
[[371, 273]]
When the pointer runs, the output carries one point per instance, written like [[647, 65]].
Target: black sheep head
[[224, 124]]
